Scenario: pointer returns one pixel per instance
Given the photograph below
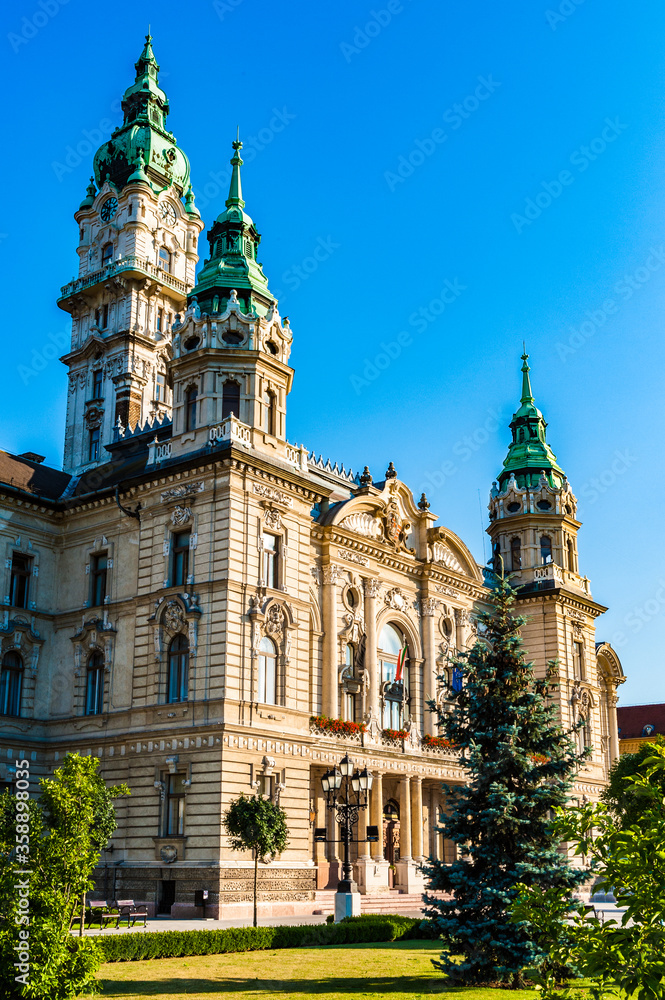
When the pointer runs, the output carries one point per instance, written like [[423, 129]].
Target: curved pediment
[[449, 551], [383, 513], [609, 663]]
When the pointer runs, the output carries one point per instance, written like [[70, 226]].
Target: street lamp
[[347, 792]]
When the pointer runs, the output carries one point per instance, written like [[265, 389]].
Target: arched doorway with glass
[[394, 670]]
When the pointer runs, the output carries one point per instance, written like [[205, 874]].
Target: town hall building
[[212, 610]]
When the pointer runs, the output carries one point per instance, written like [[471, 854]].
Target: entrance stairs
[[392, 901]]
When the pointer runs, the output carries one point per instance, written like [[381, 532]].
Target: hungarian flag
[[401, 660]]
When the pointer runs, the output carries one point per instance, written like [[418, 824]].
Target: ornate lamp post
[[347, 792]]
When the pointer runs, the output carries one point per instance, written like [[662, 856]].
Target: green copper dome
[[234, 242], [529, 454], [143, 132]]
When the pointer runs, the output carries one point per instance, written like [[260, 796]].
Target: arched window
[[270, 405], [191, 397], [178, 669], [393, 656], [545, 549], [94, 689], [515, 554], [571, 555], [11, 681], [107, 254], [164, 259], [230, 399], [267, 671]]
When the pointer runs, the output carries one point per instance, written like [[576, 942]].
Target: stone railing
[[128, 263], [336, 729], [297, 455], [233, 430]]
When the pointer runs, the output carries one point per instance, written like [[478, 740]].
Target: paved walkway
[[198, 924]]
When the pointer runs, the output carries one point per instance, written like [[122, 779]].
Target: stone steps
[[392, 901]]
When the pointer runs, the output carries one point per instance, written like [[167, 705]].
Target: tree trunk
[[82, 915], [256, 876]]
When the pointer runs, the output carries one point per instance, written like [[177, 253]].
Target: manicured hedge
[[135, 946]]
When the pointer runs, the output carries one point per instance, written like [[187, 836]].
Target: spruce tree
[[520, 765]]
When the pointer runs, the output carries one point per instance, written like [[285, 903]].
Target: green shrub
[[137, 946]]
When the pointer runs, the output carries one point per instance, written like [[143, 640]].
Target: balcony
[[130, 263], [232, 430]]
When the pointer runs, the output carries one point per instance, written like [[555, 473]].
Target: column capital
[[331, 573], [372, 587]]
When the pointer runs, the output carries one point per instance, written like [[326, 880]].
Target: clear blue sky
[[421, 211]]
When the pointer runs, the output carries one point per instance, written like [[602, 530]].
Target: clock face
[[109, 208], [167, 213]]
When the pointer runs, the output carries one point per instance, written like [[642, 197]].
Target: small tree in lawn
[[256, 824], [520, 764], [62, 836]]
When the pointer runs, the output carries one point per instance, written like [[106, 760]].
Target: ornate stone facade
[[214, 587]]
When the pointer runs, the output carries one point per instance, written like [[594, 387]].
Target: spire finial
[[235, 188], [527, 395]]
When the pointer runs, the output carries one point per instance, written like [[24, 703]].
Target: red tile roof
[[633, 718]]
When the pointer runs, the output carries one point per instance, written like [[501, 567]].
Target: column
[[363, 822], [428, 608], [376, 812], [405, 819], [612, 701], [330, 684], [417, 817], [371, 591], [321, 820]]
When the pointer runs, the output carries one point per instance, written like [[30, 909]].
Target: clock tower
[[138, 234]]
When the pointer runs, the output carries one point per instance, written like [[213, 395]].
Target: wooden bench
[[129, 911], [99, 909]]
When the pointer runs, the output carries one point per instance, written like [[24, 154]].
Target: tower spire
[[527, 395], [235, 187], [529, 455], [145, 109]]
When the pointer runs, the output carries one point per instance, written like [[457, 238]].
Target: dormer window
[[545, 550], [544, 505], [164, 260], [107, 254]]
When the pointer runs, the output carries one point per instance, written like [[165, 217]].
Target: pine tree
[[520, 765]]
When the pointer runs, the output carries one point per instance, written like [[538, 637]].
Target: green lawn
[[399, 970]]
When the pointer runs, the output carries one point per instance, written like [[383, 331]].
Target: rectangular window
[[578, 660], [349, 707], [265, 785], [94, 697], [98, 572], [160, 319], [97, 383], [180, 557], [270, 555], [160, 388], [93, 444], [174, 811], [19, 590], [105, 316]]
